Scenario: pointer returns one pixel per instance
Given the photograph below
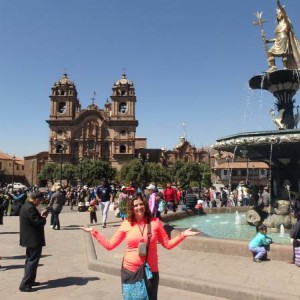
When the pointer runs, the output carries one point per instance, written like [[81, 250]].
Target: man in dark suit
[[32, 237]]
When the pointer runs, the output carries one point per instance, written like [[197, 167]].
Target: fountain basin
[[225, 226], [204, 243], [276, 81]]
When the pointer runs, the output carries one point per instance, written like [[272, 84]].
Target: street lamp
[[32, 173], [81, 170], [227, 158], [60, 147], [13, 172], [244, 153]]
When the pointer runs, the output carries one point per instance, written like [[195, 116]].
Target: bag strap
[[149, 235]]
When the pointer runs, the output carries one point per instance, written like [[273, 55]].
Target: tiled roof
[[5, 156]]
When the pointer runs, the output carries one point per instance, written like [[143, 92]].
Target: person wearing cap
[[32, 237], [130, 190], [56, 204], [153, 200]]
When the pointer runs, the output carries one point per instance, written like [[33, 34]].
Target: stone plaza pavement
[[74, 267]]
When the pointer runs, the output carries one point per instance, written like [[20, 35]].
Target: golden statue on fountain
[[285, 42]]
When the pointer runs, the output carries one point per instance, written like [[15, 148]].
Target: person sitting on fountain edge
[[260, 244]]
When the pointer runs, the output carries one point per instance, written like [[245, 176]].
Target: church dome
[[64, 80], [123, 81]]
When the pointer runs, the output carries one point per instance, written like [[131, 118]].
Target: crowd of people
[[137, 207], [161, 200]]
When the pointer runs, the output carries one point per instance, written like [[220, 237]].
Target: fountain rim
[[282, 132]]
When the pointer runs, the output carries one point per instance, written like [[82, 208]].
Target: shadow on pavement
[[7, 232], [66, 281], [13, 267], [14, 257], [71, 227]]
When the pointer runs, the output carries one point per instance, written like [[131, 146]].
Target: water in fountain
[[262, 101], [237, 218], [281, 233], [223, 226]]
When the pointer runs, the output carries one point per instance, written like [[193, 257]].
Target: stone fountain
[[279, 148]]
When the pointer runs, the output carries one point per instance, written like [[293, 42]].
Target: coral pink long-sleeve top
[[133, 235]]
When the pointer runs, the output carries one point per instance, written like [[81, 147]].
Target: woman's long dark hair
[[130, 210]]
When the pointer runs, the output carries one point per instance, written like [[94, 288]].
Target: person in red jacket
[[170, 196]]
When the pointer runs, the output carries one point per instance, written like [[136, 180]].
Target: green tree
[[189, 172], [89, 172], [206, 179], [49, 172], [102, 169], [178, 165], [156, 173], [69, 172], [134, 170]]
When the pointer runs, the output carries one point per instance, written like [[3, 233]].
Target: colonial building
[[107, 133], [183, 151], [230, 171], [33, 165], [11, 169]]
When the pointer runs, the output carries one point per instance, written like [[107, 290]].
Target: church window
[[91, 145], [122, 149], [62, 107], [59, 149], [123, 107], [123, 132]]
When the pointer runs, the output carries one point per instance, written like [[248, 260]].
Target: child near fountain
[[260, 244], [92, 209]]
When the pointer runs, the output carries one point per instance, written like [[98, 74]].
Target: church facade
[[107, 133]]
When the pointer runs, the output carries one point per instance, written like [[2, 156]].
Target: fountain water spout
[[237, 218], [281, 233]]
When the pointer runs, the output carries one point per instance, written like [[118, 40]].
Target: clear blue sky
[[190, 61]]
